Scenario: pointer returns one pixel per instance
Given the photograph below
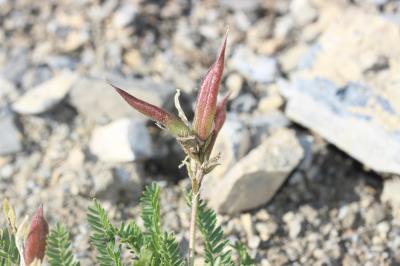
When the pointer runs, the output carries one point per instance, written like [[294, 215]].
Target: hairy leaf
[[59, 251], [103, 236]]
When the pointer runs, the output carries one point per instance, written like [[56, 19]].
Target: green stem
[[196, 182]]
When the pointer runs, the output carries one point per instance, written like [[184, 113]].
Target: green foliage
[[215, 247], [150, 203], [169, 251], [58, 250], [8, 250], [131, 235], [149, 247], [103, 236], [244, 257]]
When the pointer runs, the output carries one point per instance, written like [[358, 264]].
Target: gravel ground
[[329, 208]]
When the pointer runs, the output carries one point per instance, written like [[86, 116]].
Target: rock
[[46, 95], [261, 125], [390, 194], [118, 184], [379, 2], [124, 15], [98, 101], [234, 83], [123, 140], [283, 27], [367, 134], [238, 5], [75, 40], [294, 223], [247, 224], [133, 59], [254, 242], [266, 229], [255, 179], [374, 214], [7, 88], [233, 143], [303, 12], [270, 103], [360, 99], [259, 68], [244, 103], [289, 59], [16, 66], [10, 137]]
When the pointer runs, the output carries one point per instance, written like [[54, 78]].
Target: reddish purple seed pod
[[207, 97], [168, 120], [35, 244], [219, 120], [220, 115]]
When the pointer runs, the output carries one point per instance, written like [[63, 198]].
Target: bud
[[35, 244], [207, 97], [171, 122]]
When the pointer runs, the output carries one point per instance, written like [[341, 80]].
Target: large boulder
[[256, 178]]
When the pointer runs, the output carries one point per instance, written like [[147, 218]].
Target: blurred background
[[310, 150]]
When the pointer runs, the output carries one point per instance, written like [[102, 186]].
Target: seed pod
[[219, 120], [171, 122], [207, 97], [35, 244]]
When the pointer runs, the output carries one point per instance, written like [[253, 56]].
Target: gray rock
[[255, 67], [390, 193], [124, 15], [379, 2], [365, 134], [233, 143], [98, 101], [254, 179], [244, 103], [10, 137], [374, 214], [7, 88], [17, 64], [46, 95], [261, 125], [239, 5], [123, 140], [118, 184]]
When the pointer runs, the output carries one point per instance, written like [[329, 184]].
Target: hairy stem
[[196, 182]]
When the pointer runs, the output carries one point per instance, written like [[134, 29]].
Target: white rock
[[354, 106], [123, 140], [234, 82], [45, 96], [293, 223], [10, 137], [256, 178], [303, 12], [334, 113], [255, 67]]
